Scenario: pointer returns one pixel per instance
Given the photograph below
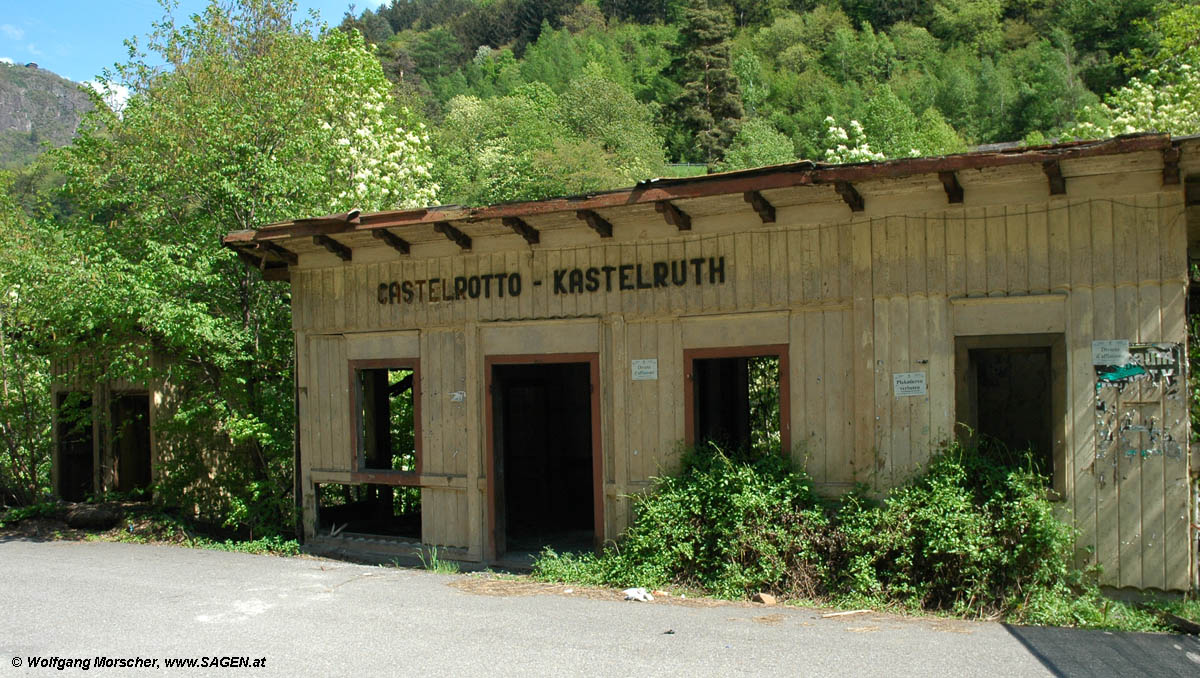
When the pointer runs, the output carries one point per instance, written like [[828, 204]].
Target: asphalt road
[[307, 617]]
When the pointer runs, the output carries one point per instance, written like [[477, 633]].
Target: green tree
[[249, 123], [535, 143], [757, 144], [708, 110]]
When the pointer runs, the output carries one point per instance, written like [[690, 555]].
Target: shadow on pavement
[[1072, 652]]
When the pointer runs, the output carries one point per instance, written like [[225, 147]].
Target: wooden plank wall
[[864, 298]]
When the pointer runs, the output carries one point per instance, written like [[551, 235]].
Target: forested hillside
[[583, 94]]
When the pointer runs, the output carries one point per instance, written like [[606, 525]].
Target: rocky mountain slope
[[36, 106]]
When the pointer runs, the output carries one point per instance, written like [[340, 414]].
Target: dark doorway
[[543, 457], [1007, 398], [131, 441], [76, 467], [736, 402]]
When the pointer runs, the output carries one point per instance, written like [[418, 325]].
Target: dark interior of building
[[736, 402], [76, 463], [381, 510], [1013, 403], [131, 440], [542, 432]]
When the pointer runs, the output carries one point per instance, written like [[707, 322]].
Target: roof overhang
[[273, 248]]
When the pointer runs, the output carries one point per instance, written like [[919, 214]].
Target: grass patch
[[430, 561], [968, 537]]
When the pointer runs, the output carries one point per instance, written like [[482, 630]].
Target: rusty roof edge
[[798, 173]]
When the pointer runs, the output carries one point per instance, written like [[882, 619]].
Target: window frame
[[778, 351], [360, 473]]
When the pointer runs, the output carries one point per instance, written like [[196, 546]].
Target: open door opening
[[76, 463], [131, 441], [543, 457]]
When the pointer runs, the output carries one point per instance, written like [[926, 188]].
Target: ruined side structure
[[495, 379]]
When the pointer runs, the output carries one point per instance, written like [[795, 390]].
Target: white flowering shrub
[[1164, 101], [381, 151], [842, 146]]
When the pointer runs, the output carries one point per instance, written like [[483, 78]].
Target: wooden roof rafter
[[279, 251], [392, 240], [766, 211], [523, 229], [954, 190], [336, 248], [851, 195], [1054, 175], [1171, 156], [596, 222], [453, 234], [674, 215]]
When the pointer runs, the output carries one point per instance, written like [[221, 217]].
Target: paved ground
[[309, 617]]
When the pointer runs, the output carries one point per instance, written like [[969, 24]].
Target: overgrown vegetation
[[969, 536], [141, 523]]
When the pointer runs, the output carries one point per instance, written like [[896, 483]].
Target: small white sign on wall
[[906, 384], [1110, 352], [645, 369], [458, 396]]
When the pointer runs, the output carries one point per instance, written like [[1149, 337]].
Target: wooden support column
[[850, 195], [954, 190], [522, 229], [341, 251], [673, 215], [1058, 184], [392, 240], [597, 223], [456, 236], [766, 211]]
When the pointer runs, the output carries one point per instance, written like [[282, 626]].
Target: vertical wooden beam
[[597, 223], [674, 215], [954, 190], [766, 211], [522, 229], [341, 251]]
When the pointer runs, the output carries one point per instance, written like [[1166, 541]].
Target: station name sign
[[626, 277]]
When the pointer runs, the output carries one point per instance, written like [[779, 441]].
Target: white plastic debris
[[639, 594]]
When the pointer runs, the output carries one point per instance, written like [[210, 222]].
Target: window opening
[[737, 402], [387, 421]]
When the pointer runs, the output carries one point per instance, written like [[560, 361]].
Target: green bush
[[970, 536]]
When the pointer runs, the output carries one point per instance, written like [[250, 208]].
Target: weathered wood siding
[[857, 297]]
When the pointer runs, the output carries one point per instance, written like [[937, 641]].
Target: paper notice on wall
[[1110, 352], [645, 369], [906, 384]]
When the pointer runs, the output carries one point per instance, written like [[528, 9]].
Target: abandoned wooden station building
[[528, 366]]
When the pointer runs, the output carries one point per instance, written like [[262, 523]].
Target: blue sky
[[77, 39]]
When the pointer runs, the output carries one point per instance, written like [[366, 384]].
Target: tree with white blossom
[[252, 119], [845, 146]]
